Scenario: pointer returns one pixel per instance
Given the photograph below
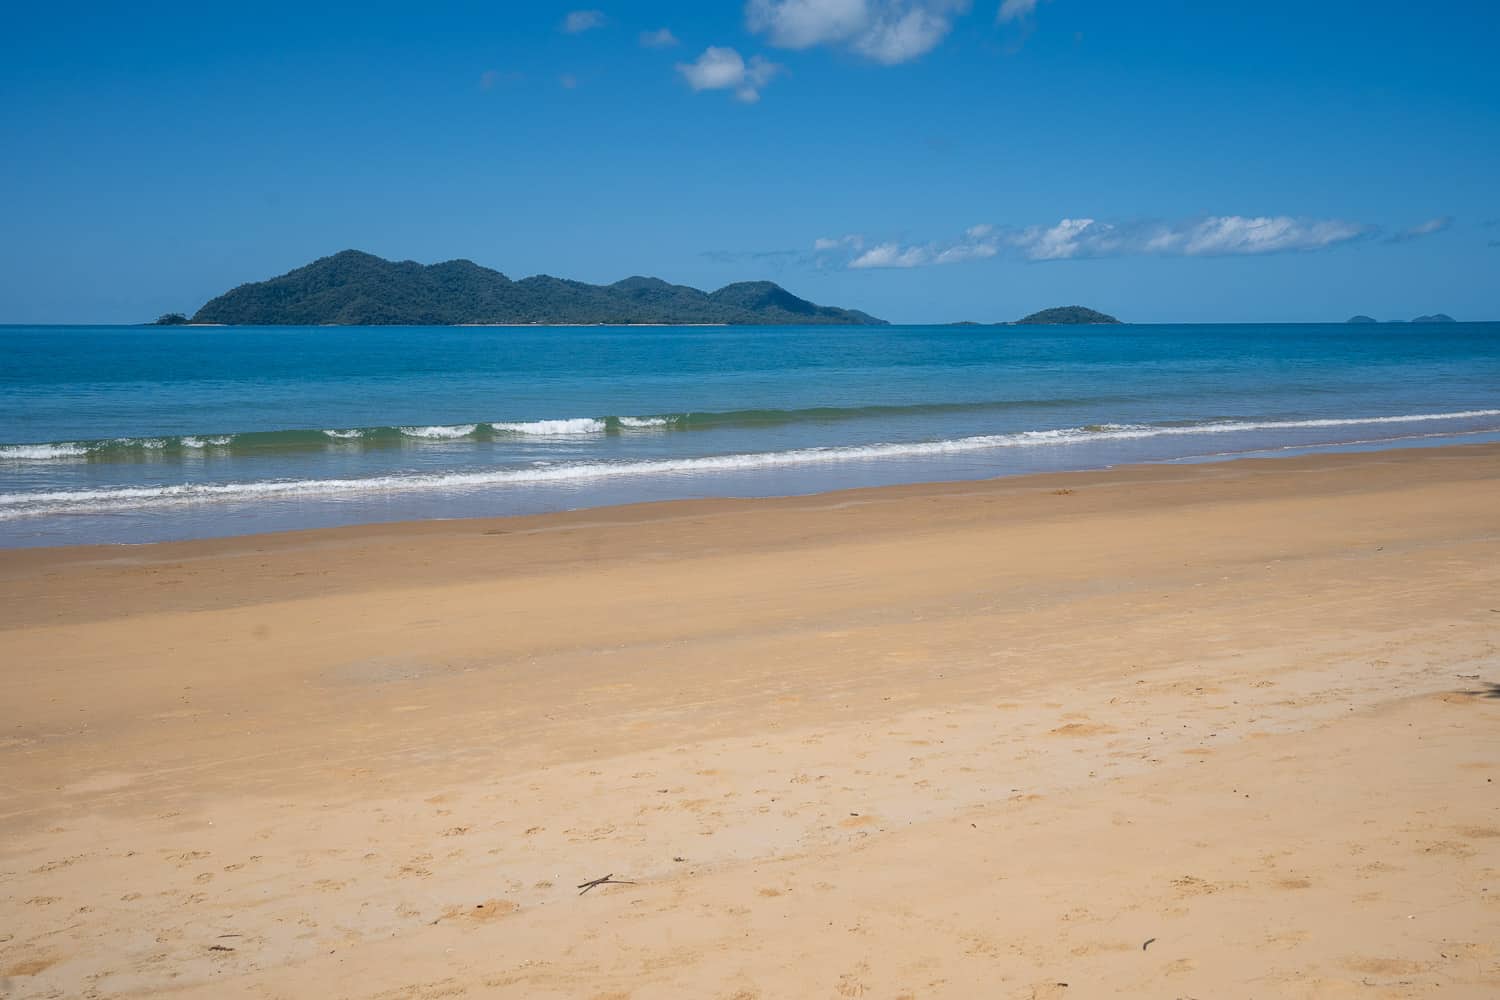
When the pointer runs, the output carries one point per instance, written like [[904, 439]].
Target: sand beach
[[1214, 730]]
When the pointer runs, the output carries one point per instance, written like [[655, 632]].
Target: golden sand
[[1175, 731]]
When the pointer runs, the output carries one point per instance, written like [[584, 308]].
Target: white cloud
[[1224, 235], [854, 241], [1055, 242], [965, 251], [725, 69], [1237, 234], [887, 31], [892, 255], [800, 24], [661, 38], [583, 20], [976, 244], [1015, 10]]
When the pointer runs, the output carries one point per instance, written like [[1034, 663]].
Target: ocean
[[132, 434]]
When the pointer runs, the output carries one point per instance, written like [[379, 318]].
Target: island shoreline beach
[[1222, 729]]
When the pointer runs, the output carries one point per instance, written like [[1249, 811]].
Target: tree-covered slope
[[354, 288], [1067, 315]]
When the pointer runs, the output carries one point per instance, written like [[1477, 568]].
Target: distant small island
[[353, 288], [1056, 316], [1434, 318], [1066, 316], [171, 319]]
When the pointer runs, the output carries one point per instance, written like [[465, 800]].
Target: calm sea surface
[[128, 434]]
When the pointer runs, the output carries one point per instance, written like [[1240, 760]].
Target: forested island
[[1066, 316], [1056, 316], [359, 289]]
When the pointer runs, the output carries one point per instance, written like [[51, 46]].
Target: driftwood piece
[[606, 880]]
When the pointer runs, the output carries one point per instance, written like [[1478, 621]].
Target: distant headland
[[359, 289]]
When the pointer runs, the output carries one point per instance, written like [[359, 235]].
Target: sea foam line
[[441, 431], [580, 427], [574, 425], [14, 505]]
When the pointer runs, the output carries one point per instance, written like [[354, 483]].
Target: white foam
[[576, 425], [218, 441], [640, 423], [41, 452], [14, 505], [441, 431], [338, 435]]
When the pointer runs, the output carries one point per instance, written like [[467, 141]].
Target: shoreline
[[941, 740], [471, 505], [642, 511]]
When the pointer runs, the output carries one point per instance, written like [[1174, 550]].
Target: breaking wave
[[83, 500]]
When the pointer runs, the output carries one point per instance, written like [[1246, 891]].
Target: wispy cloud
[[977, 243], [1071, 239], [1421, 229], [583, 20], [1216, 236], [741, 256], [853, 241], [886, 31], [1014, 10], [725, 69], [892, 255], [661, 38]]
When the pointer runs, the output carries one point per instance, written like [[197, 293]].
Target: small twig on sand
[[1147, 944], [606, 880]]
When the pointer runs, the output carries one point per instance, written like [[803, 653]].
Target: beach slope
[[1224, 730]]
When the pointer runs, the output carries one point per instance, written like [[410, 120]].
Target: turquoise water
[[128, 434]]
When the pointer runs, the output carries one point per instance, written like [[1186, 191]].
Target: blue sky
[[925, 160]]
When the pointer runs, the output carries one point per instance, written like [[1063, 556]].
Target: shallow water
[[129, 434]]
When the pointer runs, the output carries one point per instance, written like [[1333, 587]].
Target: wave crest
[[14, 505], [574, 425], [441, 431]]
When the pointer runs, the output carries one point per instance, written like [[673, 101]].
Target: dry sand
[[1213, 731]]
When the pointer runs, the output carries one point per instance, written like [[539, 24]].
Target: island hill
[[1434, 318], [1056, 316], [359, 289]]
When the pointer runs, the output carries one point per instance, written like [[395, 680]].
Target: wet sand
[[1213, 731]]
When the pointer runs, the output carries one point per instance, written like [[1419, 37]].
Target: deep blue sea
[[130, 434]]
